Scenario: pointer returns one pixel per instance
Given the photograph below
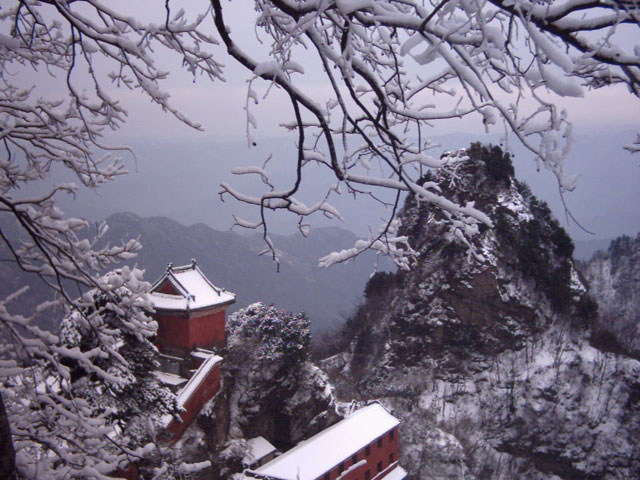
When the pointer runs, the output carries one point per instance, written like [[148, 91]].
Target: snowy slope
[[614, 280]]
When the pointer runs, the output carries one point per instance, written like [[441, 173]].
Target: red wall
[[208, 388], [376, 454], [172, 331], [167, 288], [207, 330], [201, 329]]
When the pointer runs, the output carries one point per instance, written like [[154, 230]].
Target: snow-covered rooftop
[[169, 378], [194, 290], [197, 378], [201, 354], [317, 455], [397, 473], [257, 449], [192, 384]]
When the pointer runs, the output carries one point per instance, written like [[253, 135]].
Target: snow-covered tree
[[74, 400], [504, 61], [55, 432], [278, 336], [383, 62], [394, 68], [133, 398]]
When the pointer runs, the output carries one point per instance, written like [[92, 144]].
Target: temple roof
[[187, 288], [257, 449], [192, 385], [322, 452], [196, 379]]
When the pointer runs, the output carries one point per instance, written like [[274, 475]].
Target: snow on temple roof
[[397, 473], [197, 378], [317, 455], [194, 290], [257, 449], [201, 354], [169, 378], [192, 385]]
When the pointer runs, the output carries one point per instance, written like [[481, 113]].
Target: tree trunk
[[7, 453]]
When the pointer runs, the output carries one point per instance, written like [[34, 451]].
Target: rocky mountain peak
[[480, 296], [614, 279], [482, 348]]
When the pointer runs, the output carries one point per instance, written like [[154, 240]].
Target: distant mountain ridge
[[232, 261], [614, 282], [169, 167]]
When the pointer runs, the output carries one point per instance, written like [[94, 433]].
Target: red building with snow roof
[[189, 309], [203, 385], [191, 313], [362, 446]]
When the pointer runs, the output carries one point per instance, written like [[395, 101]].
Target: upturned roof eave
[[199, 309]]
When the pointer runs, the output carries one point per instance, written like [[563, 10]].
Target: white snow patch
[[397, 473], [169, 378], [514, 202], [576, 285], [195, 291], [315, 456], [257, 449]]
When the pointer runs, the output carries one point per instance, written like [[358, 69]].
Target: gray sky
[[179, 169]]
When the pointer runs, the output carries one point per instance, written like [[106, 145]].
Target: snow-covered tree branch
[[53, 123], [391, 70], [386, 62]]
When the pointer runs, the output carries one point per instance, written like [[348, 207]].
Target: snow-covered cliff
[[614, 279], [483, 349], [269, 390]]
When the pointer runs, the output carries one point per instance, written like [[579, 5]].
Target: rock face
[[274, 391], [269, 389], [483, 349], [614, 279], [7, 452]]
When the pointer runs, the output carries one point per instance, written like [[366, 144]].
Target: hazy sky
[[190, 164], [218, 106]]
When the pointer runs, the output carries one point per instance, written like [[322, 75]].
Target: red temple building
[[191, 313], [189, 309], [362, 446]]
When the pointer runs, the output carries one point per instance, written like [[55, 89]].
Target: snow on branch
[[496, 60], [392, 69], [57, 431]]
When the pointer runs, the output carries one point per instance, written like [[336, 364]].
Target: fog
[[180, 180]]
